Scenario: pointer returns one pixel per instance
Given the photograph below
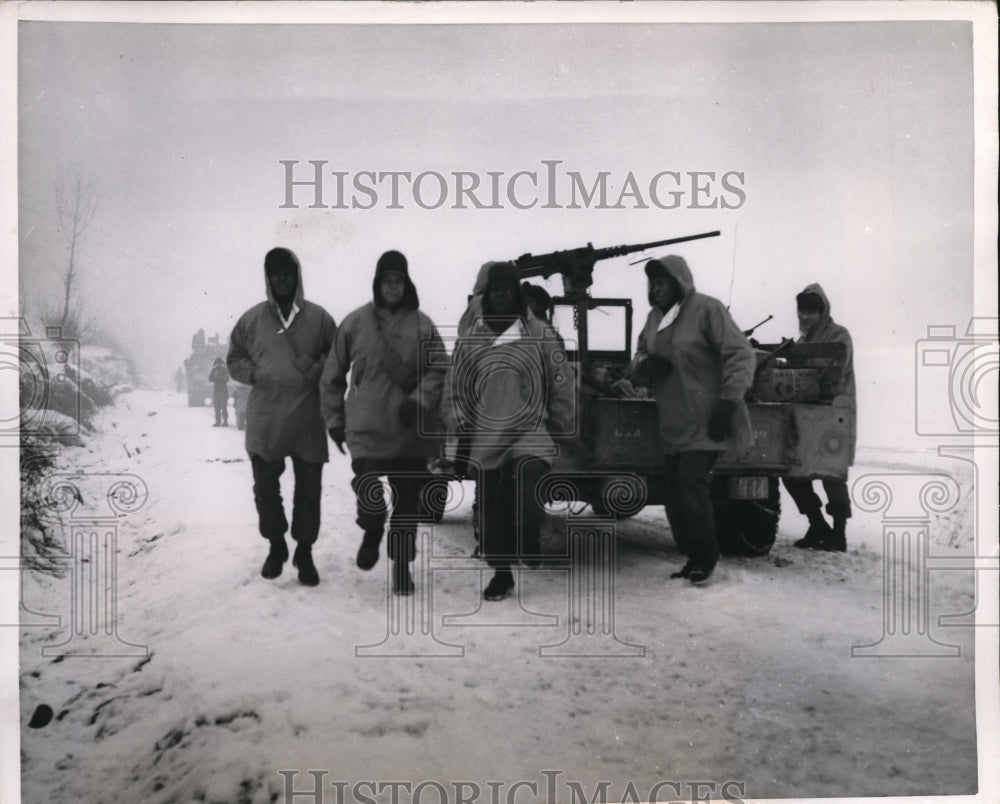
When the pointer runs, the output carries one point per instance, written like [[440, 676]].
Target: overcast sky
[[853, 145]]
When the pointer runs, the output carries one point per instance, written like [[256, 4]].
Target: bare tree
[[75, 208]]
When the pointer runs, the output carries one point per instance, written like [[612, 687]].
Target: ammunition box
[[787, 385]]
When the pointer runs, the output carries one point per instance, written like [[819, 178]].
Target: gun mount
[[576, 266]]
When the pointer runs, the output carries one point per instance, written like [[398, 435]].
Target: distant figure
[[179, 380], [817, 326], [219, 378], [198, 341], [214, 340], [279, 347], [379, 346]]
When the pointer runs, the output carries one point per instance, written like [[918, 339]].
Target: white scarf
[[669, 317]]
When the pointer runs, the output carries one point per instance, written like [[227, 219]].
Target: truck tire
[[748, 527]]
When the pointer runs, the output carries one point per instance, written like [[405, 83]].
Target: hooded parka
[[369, 409], [509, 393], [711, 359], [283, 368], [839, 385]]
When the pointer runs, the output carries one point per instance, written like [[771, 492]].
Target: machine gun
[[577, 264], [577, 268], [748, 332]]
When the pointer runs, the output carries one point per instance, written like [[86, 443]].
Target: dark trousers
[[305, 502], [407, 478], [221, 410], [838, 498], [510, 513], [688, 503]]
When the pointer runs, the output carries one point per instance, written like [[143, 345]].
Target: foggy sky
[[855, 142]]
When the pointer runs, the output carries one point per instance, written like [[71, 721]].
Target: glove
[[720, 425], [659, 367], [624, 389], [408, 412], [337, 434], [653, 369]]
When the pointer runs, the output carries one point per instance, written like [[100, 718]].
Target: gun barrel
[[565, 262], [749, 332], [618, 251]]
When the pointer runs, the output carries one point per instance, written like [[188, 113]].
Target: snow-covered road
[[748, 681]]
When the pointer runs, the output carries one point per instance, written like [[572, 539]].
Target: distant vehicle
[[197, 366]]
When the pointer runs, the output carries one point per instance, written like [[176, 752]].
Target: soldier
[[837, 383], [699, 366], [278, 347], [538, 300], [511, 396], [380, 345], [219, 378]]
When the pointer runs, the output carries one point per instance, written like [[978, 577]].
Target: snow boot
[[303, 560], [700, 574], [276, 558], [500, 585], [836, 540], [818, 532], [685, 571], [402, 581], [368, 552]]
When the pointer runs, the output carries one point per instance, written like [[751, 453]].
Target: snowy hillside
[[225, 679]]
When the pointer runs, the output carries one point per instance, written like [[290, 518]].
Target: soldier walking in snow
[[278, 347], [837, 382], [509, 395], [380, 345]]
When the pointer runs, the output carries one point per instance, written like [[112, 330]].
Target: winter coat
[[283, 367], [511, 394], [710, 359], [370, 411], [839, 385], [219, 378]]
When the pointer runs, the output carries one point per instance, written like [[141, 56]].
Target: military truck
[[616, 464], [198, 365]]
